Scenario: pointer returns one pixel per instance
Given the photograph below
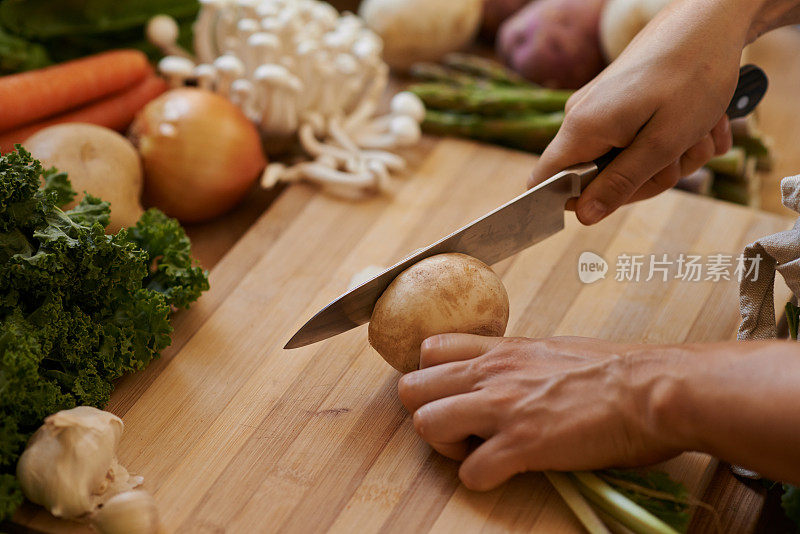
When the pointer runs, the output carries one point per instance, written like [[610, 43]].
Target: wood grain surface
[[234, 434]]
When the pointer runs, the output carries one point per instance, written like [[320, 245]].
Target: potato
[[554, 43], [495, 13], [97, 160], [438, 295]]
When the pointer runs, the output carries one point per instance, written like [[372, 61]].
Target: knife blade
[[516, 225]]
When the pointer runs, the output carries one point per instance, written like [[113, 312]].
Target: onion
[[199, 152]]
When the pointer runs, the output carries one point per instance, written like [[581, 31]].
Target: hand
[[663, 99], [554, 404]]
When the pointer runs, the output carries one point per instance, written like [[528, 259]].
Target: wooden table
[[234, 434]]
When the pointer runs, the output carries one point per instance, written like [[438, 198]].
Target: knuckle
[[666, 180], [491, 365], [621, 185], [661, 147], [576, 120]]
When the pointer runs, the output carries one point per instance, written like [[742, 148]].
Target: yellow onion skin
[[200, 153]]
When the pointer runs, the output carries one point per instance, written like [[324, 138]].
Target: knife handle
[[750, 90]]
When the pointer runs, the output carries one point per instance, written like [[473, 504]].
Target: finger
[[491, 464], [421, 387], [566, 149], [650, 152], [721, 133], [455, 451], [446, 348], [454, 419], [697, 156], [665, 179]]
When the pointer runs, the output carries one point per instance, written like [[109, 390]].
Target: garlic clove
[[132, 512]]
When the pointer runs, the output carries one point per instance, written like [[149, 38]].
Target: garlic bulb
[[304, 75], [132, 512], [69, 465]]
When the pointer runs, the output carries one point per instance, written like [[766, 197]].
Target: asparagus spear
[[433, 72], [746, 135], [531, 131], [732, 162], [490, 100], [485, 68]]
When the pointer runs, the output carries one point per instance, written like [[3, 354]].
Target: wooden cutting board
[[234, 434]]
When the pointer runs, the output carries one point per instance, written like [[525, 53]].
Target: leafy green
[[654, 491], [792, 319], [35, 33], [791, 503], [18, 54], [78, 308]]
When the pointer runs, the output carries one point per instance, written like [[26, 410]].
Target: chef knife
[[524, 221]]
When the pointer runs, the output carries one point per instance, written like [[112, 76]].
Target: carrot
[[116, 112], [29, 96]]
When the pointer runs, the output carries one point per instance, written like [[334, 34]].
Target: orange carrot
[[30, 96], [116, 112]]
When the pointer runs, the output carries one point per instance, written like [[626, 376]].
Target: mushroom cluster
[[303, 74]]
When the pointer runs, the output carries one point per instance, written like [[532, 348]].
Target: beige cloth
[[779, 252]]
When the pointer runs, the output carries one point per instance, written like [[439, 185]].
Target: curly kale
[[791, 503], [78, 308]]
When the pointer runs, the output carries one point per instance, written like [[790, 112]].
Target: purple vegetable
[[554, 43]]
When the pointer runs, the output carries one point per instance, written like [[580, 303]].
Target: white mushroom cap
[[176, 66], [326, 14], [229, 65], [405, 130], [264, 40], [162, 31], [279, 76], [367, 46], [408, 104], [247, 26], [205, 71]]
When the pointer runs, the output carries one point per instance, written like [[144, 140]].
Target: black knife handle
[[750, 90]]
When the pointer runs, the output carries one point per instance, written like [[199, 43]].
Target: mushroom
[[303, 72], [229, 67], [206, 75], [441, 294], [176, 69], [162, 31]]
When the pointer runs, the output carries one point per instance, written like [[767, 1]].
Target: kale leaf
[[791, 503], [78, 308]]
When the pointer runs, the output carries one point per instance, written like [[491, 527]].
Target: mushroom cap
[[176, 66], [408, 104], [279, 76], [247, 25], [162, 31], [264, 40], [205, 71], [230, 65], [441, 294], [405, 130]]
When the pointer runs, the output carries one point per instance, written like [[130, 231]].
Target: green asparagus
[[433, 72], [532, 131], [485, 68], [490, 100], [731, 163]]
